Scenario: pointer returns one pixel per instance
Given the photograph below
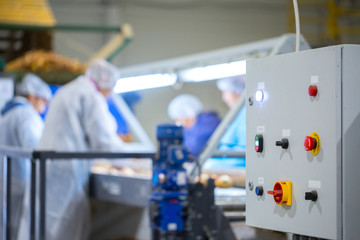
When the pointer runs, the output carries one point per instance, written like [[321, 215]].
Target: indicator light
[[312, 90], [259, 143], [259, 96]]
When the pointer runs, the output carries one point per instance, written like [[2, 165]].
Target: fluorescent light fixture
[[212, 72], [142, 82]]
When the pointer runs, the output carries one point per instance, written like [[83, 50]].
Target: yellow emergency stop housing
[[286, 186], [316, 150]]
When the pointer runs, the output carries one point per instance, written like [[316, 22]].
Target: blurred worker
[[235, 136], [231, 90], [78, 120], [21, 126], [187, 110]]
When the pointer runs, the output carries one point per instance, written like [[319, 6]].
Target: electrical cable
[[297, 24]]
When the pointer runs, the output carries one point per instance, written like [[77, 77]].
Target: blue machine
[[180, 210], [168, 203]]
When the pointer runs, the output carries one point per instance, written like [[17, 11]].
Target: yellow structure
[[26, 12], [324, 16], [316, 150]]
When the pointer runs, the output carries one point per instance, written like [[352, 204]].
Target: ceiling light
[[212, 72], [142, 82]]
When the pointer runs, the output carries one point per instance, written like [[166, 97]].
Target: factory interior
[[179, 119]]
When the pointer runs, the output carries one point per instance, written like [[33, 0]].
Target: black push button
[[284, 143], [311, 195]]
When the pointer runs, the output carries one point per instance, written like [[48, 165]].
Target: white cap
[[184, 106], [103, 73], [233, 84], [31, 84]]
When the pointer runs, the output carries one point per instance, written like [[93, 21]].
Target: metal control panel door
[[297, 166]]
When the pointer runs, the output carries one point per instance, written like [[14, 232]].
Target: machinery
[[169, 183], [303, 135], [180, 209]]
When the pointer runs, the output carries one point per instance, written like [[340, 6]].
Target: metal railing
[[38, 160]]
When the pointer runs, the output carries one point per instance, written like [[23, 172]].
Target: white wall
[[82, 44], [170, 28], [168, 31]]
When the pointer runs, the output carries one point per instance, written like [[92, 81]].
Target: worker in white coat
[[21, 126], [78, 120]]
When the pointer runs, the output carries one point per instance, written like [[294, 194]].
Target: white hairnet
[[233, 84], [103, 73], [184, 106], [34, 85]]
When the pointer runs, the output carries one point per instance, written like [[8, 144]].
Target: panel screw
[[251, 101], [251, 185]]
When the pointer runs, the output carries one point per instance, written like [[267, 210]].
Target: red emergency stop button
[[312, 90], [312, 143], [309, 143]]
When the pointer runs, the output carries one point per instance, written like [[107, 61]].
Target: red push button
[[309, 143], [312, 90]]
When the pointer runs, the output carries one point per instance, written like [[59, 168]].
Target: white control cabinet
[[303, 142]]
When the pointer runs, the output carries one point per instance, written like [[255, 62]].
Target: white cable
[[297, 24]]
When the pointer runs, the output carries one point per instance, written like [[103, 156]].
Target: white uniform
[[20, 126], [78, 120]]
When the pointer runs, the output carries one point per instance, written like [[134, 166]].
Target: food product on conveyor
[[224, 181], [108, 168]]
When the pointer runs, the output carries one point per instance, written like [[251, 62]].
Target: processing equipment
[[169, 182], [180, 209]]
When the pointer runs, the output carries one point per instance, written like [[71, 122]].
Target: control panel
[[303, 142]]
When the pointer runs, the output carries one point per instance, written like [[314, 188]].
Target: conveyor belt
[[134, 191]]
